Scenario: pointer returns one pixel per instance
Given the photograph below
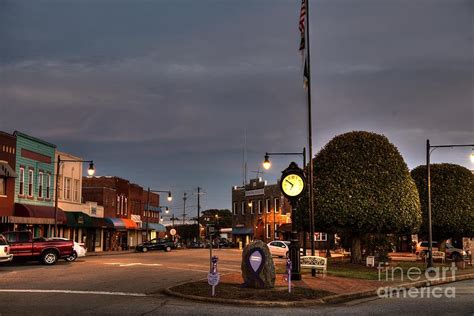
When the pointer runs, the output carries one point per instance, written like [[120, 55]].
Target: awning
[[100, 222], [6, 170], [157, 227], [36, 214], [137, 219], [78, 219], [242, 231], [121, 223]]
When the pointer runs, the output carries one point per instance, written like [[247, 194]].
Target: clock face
[[292, 185]]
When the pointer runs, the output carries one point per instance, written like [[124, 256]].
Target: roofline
[[17, 133]]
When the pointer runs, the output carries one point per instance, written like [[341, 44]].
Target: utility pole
[[184, 208], [199, 214]]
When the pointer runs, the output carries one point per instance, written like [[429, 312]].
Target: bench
[[314, 262], [437, 255]]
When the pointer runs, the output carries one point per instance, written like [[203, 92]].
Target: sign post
[[288, 272], [213, 277], [210, 232]]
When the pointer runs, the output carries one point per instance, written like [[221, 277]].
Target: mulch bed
[[237, 292]]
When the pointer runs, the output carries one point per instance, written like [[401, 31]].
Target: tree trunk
[[356, 253]]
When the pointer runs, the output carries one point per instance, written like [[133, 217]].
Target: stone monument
[[258, 270]]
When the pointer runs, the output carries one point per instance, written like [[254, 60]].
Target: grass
[[237, 292]]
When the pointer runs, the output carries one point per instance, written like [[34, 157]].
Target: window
[[76, 190], [251, 206], [3, 186], [320, 237], [125, 202], [118, 204], [267, 205], [67, 188], [48, 186], [234, 208], [268, 231], [277, 205], [243, 208], [22, 181], [40, 184], [260, 206], [30, 182], [276, 233]]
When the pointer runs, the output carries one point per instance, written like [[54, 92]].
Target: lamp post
[[429, 149], [90, 172], [170, 198], [267, 165]]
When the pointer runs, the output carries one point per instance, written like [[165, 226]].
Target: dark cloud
[[161, 92]]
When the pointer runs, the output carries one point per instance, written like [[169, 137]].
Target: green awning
[[78, 219], [157, 227]]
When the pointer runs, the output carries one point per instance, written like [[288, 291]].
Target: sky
[[164, 93]]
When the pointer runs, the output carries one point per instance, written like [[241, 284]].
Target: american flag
[[302, 24]]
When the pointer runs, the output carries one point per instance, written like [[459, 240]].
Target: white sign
[[213, 278], [255, 192], [173, 232]]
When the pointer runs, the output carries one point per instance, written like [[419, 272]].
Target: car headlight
[[464, 253]]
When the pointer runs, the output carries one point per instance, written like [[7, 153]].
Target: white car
[[80, 250], [5, 255], [279, 248]]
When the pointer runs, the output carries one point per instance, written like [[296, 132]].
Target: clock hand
[[289, 183]]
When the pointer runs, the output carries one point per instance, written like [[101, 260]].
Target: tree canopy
[[362, 185], [452, 200], [224, 217]]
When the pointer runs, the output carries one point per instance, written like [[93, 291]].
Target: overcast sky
[[162, 92]]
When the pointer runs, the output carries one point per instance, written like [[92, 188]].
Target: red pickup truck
[[47, 251]]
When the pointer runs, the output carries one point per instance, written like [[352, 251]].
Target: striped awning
[[36, 214], [121, 223]]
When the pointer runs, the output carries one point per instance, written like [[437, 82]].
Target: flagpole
[[310, 140]]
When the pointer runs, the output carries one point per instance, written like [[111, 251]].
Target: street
[[131, 284]]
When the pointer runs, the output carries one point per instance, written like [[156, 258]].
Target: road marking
[[72, 292], [134, 264]]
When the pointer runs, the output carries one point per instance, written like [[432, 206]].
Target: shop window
[[48, 186]]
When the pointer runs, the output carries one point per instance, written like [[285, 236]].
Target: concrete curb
[[333, 299]]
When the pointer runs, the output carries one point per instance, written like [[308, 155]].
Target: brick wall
[[8, 154]]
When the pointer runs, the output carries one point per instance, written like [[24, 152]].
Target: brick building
[[260, 211], [7, 178], [124, 210]]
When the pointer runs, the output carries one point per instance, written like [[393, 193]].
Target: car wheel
[[168, 249], [145, 249], [72, 257], [49, 257]]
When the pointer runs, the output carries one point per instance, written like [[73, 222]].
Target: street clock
[[293, 182]]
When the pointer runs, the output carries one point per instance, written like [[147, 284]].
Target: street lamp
[[429, 150], [267, 165], [90, 172], [170, 198]]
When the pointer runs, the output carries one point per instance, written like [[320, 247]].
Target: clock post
[[293, 185]]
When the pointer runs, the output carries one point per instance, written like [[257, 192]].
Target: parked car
[[454, 253], [195, 244], [281, 248], [80, 250], [47, 251], [5, 255], [422, 248], [157, 244]]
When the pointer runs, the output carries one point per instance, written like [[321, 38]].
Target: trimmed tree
[[362, 186], [452, 200]]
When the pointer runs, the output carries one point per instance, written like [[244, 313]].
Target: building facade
[[124, 210], [34, 188], [260, 211], [7, 178]]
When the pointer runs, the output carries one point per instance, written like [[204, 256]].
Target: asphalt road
[[131, 284]]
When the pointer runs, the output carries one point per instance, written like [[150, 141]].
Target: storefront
[[36, 218], [242, 234], [156, 230], [122, 235]]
